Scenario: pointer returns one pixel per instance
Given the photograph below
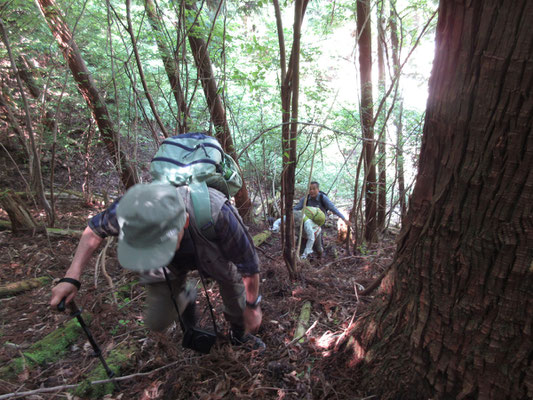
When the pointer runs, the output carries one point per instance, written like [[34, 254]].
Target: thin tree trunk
[[217, 110], [87, 88], [289, 108], [398, 111], [382, 150], [399, 160], [455, 312], [170, 64], [24, 70], [12, 122], [141, 72], [365, 65], [37, 182]]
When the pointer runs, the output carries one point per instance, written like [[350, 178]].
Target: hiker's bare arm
[[89, 242], [252, 316]]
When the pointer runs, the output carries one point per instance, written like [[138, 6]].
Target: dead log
[[303, 321], [6, 225], [20, 217], [261, 237], [23, 286]]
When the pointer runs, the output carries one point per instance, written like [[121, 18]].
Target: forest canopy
[[243, 49]]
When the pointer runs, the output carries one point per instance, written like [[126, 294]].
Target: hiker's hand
[[252, 319], [61, 291]]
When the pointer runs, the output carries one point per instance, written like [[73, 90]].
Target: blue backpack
[[198, 161]]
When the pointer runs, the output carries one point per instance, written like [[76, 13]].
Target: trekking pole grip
[[61, 305], [72, 305]]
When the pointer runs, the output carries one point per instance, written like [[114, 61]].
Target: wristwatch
[[255, 304]]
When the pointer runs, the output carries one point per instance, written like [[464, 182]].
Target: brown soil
[[286, 370]]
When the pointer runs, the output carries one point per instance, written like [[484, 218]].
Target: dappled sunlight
[[358, 354]]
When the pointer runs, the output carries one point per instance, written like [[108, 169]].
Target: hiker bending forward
[[156, 228], [317, 198]]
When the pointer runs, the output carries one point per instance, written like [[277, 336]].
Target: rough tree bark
[[365, 64], [216, 107], [87, 88], [455, 319]]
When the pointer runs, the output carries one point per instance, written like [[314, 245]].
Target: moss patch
[[47, 350], [260, 238], [117, 360]]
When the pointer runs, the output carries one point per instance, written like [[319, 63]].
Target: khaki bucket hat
[[150, 217]]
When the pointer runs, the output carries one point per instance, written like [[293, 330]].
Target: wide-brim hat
[[151, 217]]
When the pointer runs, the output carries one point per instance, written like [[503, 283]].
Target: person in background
[[313, 219], [317, 198]]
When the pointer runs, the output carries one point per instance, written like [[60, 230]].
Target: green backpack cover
[[198, 161], [315, 214]]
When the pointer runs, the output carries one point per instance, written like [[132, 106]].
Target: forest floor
[[159, 368]]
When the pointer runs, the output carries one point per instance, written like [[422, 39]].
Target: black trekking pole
[[75, 312]]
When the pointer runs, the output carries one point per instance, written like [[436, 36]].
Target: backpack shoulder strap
[[201, 204], [321, 195]]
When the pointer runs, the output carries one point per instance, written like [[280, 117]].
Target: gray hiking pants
[[160, 312]]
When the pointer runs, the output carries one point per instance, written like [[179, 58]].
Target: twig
[[31, 392], [343, 335], [355, 290], [344, 259], [303, 334], [64, 387], [264, 252], [100, 265]]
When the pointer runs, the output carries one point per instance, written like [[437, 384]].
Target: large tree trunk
[[87, 88], [216, 108], [365, 65], [457, 311]]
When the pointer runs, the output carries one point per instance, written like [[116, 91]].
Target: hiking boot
[[247, 340]]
